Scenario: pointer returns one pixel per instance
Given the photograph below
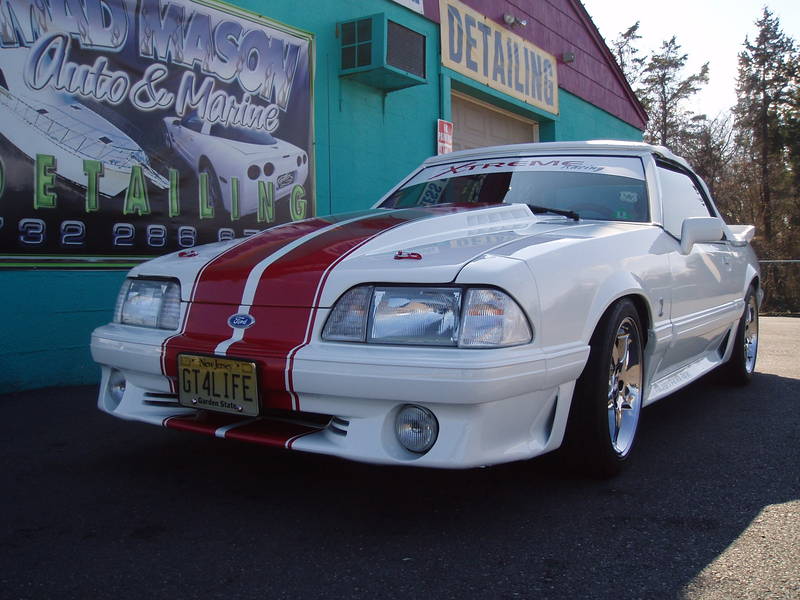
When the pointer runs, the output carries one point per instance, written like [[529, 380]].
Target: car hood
[[312, 262]]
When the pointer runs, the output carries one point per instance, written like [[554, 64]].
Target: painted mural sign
[[483, 50], [131, 128]]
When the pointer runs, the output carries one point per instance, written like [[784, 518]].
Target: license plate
[[285, 179], [219, 384]]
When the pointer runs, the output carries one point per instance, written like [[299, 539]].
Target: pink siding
[[560, 26]]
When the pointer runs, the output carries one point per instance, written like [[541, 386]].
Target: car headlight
[[149, 303], [431, 316]]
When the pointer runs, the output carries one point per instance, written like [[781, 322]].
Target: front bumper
[[492, 406]]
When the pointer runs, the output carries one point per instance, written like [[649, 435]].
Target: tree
[[627, 55], [664, 90], [768, 74], [709, 148], [792, 140]]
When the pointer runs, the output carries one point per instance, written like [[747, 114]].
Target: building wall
[[365, 141], [47, 317], [583, 121]]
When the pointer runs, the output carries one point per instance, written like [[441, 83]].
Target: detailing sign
[[483, 50], [133, 128]]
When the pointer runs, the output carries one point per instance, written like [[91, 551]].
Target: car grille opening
[[338, 426], [156, 399]]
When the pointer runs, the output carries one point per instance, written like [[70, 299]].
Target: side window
[[680, 199], [192, 122]]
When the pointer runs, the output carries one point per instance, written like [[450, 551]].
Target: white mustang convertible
[[496, 305]]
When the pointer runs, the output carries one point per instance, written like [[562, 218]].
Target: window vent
[[405, 49], [382, 53]]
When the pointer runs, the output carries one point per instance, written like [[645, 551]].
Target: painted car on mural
[[249, 155], [496, 305], [70, 131]]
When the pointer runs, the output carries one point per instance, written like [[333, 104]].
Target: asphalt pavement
[[94, 507]]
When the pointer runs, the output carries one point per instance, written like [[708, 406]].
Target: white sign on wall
[[415, 5], [444, 137]]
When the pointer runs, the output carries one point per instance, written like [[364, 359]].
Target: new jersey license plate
[[220, 384]]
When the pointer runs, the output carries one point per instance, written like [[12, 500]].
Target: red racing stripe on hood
[[293, 285], [223, 281], [294, 279], [220, 283], [276, 278]]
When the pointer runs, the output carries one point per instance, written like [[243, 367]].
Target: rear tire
[[604, 417], [742, 364]]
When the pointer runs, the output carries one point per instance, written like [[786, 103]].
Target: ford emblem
[[241, 321]]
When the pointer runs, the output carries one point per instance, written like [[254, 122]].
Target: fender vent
[[723, 346]]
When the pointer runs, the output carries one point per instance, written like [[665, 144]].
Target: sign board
[[415, 5], [444, 137], [132, 128], [483, 50]]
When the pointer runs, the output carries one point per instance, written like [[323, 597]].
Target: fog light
[[416, 428], [116, 389]]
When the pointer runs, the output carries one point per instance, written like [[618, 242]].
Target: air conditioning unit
[[381, 53]]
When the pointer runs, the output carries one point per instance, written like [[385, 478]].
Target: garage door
[[477, 124]]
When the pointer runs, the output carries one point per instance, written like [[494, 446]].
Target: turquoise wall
[[583, 121], [47, 319], [365, 141]]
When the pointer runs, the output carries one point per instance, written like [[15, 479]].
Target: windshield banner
[[603, 165], [132, 128]]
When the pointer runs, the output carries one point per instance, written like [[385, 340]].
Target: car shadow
[[708, 460]]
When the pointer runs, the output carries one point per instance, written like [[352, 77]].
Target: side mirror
[[699, 230]]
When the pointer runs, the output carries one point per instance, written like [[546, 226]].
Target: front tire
[[607, 404]]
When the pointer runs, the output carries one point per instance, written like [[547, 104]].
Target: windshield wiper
[[538, 210]]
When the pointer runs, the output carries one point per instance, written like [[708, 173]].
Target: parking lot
[[94, 507]]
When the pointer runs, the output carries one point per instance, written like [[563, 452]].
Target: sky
[[708, 31]]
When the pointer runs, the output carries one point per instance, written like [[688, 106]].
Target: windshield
[[241, 134], [597, 187]]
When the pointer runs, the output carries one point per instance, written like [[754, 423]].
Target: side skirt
[[681, 378]]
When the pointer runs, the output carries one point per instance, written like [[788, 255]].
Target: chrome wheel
[[742, 362], [624, 386], [750, 334], [607, 405]]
